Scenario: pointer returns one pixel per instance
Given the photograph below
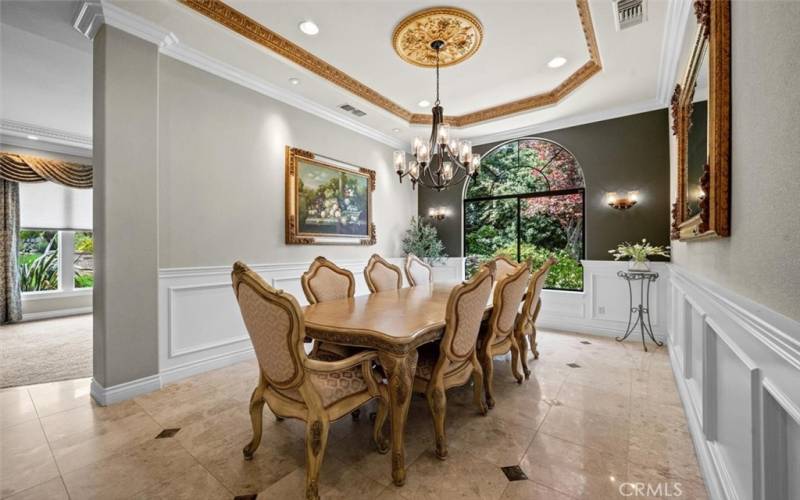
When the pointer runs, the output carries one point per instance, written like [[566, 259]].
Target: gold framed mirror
[[701, 109]]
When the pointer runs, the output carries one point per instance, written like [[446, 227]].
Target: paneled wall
[[737, 366]]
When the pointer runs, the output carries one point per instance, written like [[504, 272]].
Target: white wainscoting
[[200, 327], [602, 307], [737, 367]]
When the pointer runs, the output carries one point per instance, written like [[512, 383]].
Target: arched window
[[527, 203]]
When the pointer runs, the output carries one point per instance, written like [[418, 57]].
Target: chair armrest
[[342, 364]]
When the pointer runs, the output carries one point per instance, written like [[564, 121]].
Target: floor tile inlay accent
[[246, 497], [573, 365], [586, 342], [168, 433], [514, 473]]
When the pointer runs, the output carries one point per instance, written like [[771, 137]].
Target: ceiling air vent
[[629, 13], [353, 110]]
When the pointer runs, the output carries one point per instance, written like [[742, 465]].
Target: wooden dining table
[[394, 323]]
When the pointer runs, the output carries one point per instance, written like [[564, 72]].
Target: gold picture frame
[[328, 202], [713, 40]]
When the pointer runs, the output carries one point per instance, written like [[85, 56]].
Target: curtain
[[10, 296], [24, 168]]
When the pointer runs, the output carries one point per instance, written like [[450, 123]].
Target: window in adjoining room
[[526, 204]]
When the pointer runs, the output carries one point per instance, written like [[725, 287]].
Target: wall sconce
[[438, 213], [622, 202]]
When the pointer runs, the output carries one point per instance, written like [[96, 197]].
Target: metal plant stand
[[642, 311]]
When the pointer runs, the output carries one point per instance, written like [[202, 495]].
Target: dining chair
[[453, 361], [498, 336], [503, 266], [525, 329], [294, 385], [417, 271], [382, 275]]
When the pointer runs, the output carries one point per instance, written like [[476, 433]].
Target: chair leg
[[437, 402], [380, 419], [256, 419], [534, 344], [522, 341], [515, 354], [477, 386], [488, 378], [316, 441]]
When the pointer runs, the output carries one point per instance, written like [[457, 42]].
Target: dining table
[[394, 323]]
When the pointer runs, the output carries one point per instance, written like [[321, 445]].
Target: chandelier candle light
[[443, 160]]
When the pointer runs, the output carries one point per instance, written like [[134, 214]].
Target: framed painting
[[328, 202]]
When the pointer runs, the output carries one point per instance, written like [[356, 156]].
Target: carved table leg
[[400, 373]]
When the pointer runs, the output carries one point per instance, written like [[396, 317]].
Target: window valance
[[25, 168]]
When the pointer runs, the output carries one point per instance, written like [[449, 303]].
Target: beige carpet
[[46, 351]]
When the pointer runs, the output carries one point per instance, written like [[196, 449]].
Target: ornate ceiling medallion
[[460, 31]]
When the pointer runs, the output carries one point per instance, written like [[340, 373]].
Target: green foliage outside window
[[38, 260], [83, 265]]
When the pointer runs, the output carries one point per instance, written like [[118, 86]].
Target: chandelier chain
[[437, 76]]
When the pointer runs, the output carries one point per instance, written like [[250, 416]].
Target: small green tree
[[422, 240]]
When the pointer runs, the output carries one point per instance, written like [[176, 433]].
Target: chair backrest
[[465, 309], [531, 304], [382, 275], [275, 324], [417, 271], [503, 267], [324, 281], [508, 294]]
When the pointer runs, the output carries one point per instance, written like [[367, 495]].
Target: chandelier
[[443, 160]]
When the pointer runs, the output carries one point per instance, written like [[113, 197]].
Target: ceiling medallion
[[460, 31]]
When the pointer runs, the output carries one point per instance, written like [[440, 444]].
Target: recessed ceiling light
[[395, 130], [556, 62], [309, 27], [294, 81], [33, 137], [423, 103]]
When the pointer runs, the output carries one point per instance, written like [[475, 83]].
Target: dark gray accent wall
[[624, 154]]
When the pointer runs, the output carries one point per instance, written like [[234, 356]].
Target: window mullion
[[66, 258]]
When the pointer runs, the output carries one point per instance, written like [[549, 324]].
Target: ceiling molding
[[572, 121], [678, 14], [169, 45], [227, 16], [16, 133]]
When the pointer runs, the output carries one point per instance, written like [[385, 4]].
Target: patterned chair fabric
[[526, 323], [456, 360], [503, 267], [417, 271], [325, 281], [498, 336], [382, 275], [297, 386]]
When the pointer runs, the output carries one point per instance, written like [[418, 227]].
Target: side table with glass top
[[642, 311]]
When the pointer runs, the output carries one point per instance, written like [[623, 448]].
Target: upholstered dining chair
[[382, 275], [453, 361], [502, 265], [417, 271], [525, 329], [498, 335], [294, 385]]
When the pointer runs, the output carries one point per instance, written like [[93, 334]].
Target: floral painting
[[328, 202], [332, 200]]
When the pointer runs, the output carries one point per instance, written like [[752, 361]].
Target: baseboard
[[105, 396], [593, 327], [58, 313], [705, 455], [185, 370]]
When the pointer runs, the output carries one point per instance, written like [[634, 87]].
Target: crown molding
[[47, 139], [678, 13], [572, 121], [91, 14]]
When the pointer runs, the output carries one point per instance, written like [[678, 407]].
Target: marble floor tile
[[583, 397], [336, 481], [460, 476], [593, 430], [50, 490], [193, 484], [16, 406], [493, 440], [573, 469], [529, 490], [657, 484], [667, 450], [25, 458], [55, 397], [182, 403]]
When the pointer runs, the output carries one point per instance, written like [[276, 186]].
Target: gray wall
[[759, 260], [221, 174], [125, 207], [624, 154]]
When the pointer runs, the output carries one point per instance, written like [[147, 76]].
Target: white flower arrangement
[[638, 252]]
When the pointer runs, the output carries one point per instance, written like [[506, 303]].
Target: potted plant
[[638, 254], [423, 241]]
